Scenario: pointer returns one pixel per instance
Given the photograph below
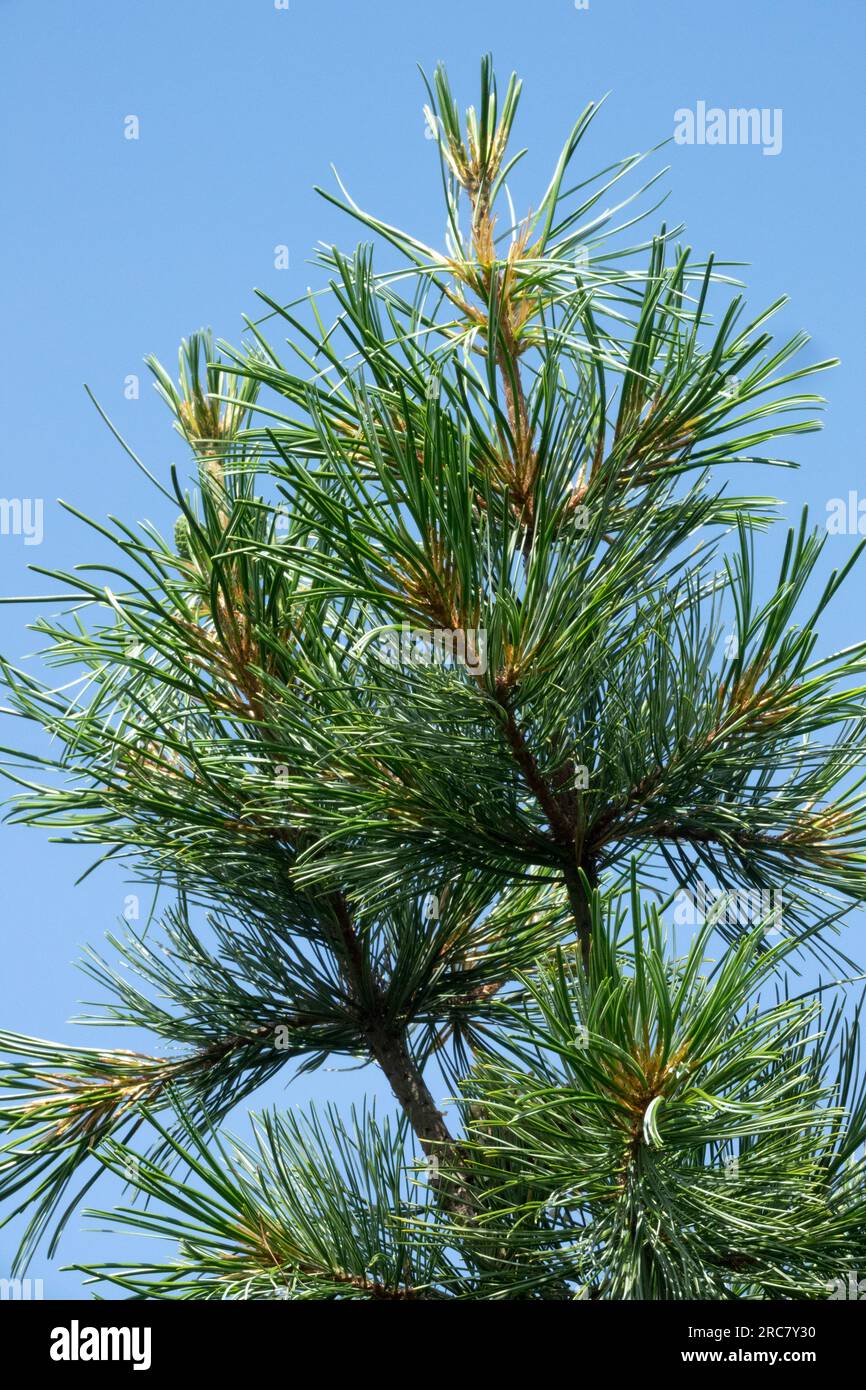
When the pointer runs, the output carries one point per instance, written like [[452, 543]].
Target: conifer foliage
[[454, 673]]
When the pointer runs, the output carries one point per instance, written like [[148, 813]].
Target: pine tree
[[452, 682]]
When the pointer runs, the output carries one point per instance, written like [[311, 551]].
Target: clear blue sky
[[114, 248]]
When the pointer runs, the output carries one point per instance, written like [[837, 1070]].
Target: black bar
[[211, 1337]]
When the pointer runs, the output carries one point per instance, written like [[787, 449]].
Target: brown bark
[[560, 809], [389, 1048], [411, 1090]]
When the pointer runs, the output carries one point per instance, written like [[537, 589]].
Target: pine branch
[[514, 449]]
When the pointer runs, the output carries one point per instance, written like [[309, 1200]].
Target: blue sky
[[114, 248]]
